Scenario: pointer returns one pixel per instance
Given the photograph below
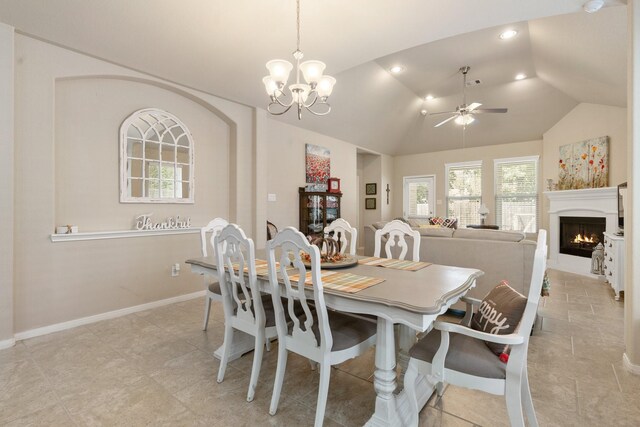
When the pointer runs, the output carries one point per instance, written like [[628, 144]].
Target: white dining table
[[410, 298]]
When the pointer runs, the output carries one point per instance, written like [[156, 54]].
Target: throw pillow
[[444, 222], [499, 313]]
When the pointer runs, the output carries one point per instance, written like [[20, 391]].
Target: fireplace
[[579, 235]]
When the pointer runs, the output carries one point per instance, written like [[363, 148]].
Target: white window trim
[[404, 180], [536, 159], [447, 167], [124, 196]]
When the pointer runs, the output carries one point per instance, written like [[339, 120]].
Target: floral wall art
[[318, 167], [584, 164]]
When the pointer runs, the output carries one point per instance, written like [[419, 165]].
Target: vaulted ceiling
[[220, 47]]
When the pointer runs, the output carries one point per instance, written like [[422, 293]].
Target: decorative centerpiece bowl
[[330, 256]]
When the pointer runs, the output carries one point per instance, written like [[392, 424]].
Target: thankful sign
[[143, 222]]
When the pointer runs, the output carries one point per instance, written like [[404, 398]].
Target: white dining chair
[[397, 232], [456, 354], [325, 337], [245, 308], [340, 228], [207, 235]]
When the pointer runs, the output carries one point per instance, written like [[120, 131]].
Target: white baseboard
[[634, 369], [103, 316], [7, 343]]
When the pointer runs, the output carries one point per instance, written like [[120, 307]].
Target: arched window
[[156, 159]]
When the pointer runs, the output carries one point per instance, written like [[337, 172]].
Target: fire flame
[[583, 239]]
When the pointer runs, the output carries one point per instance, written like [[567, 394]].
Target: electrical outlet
[[175, 270]]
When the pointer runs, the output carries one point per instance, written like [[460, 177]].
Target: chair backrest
[[272, 230], [535, 288], [236, 253], [340, 228], [214, 227], [397, 229], [289, 243]]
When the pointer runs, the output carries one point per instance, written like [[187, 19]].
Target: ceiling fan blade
[[443, 112], [445, 121], [490, 110], [473, 106]]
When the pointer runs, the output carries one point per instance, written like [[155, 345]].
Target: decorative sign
[[143, 222]]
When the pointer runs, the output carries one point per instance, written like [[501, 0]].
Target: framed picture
[[334, 185], [370, 202], [371, 189]]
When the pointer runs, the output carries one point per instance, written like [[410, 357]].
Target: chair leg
[[513, 395], [257, 364], [226, 350], [529, 410], [267, 343], [323, 392], [277, 385], [207, 309], [410, 377]]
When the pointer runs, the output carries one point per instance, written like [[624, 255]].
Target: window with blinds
[[464, 192], [516, 182]]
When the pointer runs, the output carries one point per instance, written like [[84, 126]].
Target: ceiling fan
[[463, 115]]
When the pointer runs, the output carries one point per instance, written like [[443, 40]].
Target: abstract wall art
[[318, 167], [584, 164]]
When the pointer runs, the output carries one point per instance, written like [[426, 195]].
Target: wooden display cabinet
[[317, 210]]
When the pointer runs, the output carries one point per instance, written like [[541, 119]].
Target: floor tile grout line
[[615, 374]]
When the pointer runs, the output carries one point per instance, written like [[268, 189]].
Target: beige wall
[[57, 282], [434, 164], [586, 121], [286, 171], [6, 185]]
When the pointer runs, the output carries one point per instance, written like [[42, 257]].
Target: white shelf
[[123, 234]]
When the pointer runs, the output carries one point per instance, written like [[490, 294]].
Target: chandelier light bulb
[[325, 86], [312, 71], [270, 85], [279, 70]]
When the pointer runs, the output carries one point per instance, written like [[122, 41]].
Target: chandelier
[[314, 92]]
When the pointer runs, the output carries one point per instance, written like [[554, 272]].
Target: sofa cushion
[[436, 231], [378, 225], [503, 236], [418, 222], [499, 314], [445, 222]]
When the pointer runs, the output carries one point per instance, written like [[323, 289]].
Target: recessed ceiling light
[[428, 97], [508, 34], [521, 76], [593, 6], [396, 69], [423, 112]]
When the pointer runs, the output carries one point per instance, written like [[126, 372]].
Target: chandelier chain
[[298, 23]]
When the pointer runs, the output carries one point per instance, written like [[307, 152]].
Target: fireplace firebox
[[579, 235]]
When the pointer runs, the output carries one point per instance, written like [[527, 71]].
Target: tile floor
[[156, 368]]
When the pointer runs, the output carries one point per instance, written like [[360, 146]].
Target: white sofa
[[502, 255]]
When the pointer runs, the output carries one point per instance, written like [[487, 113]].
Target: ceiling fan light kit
[[315, 91], [463, 115]]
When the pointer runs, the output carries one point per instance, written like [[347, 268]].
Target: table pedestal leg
[[406, 340], [242, 343], [385, 377]]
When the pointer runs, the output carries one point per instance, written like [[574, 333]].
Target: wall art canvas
[[318, 167], [584, 164]]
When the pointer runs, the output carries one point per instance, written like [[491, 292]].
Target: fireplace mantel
[[590, 202]]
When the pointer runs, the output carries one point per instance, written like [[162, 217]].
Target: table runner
[[345, 282], [394, 263], [262, 268]]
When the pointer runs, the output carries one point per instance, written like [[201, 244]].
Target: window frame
[[160, 116], [535, 195], [448, 198]]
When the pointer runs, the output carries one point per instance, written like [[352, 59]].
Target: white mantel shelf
[[101, 235], [588, 202]]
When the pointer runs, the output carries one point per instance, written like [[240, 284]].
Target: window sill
[[101, 235]]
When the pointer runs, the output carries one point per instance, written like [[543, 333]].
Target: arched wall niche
[[88, 113]]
